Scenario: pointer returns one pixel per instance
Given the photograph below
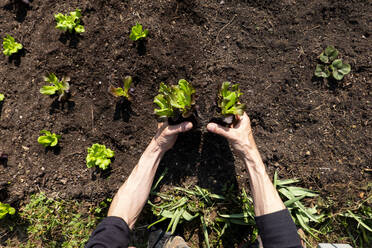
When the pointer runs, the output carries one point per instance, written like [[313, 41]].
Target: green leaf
[[339, 69], [359, 220], [331, 53], [293, 200], [48, 139], [69, 22], [117, 92], [228, 100], [56, 87], [79, 29], [48, 90], [137, 32], [205, 231], [2, 97], [6, 209], [10, 46], [99, 155], [322, 71]]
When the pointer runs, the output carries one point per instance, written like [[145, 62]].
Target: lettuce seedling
[[6, 209], [331, 65], [228, 101], [138, 33], [99, 155], [70, 22], [10, 46], [58, 87], [118, 92], [2, 97], [48, 139], [176, 99]]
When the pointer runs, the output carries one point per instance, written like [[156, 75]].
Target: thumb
[[180, 128], [220, 130]]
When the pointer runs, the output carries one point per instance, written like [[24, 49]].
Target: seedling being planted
[[48, 139], [331, 65], [175, 101], [138, 32], [2, 97], [57, 87], [99, 155], [122, 92], [6, 209], [10, 46], [228, 102], [70, 22]]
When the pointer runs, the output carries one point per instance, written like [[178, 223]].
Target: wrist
[[155, 148]]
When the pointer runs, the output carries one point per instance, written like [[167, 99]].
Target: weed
[[56, 223], [10, 46], [331, 65], [57, 87], [69, 22], [138, 33], [99, 155], [48, 139]]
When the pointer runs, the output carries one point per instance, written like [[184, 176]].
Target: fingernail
[[188, 125], [211, 126]]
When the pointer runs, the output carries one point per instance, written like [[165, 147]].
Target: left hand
[[166, 135]]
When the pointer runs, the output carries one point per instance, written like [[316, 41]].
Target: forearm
[[133, 194], [265, 197]]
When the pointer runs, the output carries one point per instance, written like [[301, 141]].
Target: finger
[[220, 130], [180, 128]]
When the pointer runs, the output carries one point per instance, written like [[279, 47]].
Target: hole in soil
[[217, 164], [141, 47], [61, 106], [73, 39], [123, 110], [56, 150], [16, 58], [20, 9]]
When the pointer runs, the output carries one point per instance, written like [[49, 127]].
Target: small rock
[[308, 153], [63, 181]]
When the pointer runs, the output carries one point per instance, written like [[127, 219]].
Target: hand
[[240, 135], [167, 134]]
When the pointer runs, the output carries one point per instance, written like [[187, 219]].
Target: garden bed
[[316, 130]]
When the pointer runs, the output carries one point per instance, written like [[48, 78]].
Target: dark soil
[[313, 129]]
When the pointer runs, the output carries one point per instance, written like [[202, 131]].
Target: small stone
[[25, 148], [63, 181], [308, 153]]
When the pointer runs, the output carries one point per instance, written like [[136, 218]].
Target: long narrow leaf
[[359, 220], [205, 231], [293, 200]]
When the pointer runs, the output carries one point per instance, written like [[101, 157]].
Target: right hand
[[240, 135]]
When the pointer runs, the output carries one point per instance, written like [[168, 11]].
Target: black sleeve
[[112, 232], [278, 230]]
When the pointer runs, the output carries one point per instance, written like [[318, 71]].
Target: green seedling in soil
[[69, 22], [228, 102], [331, 65], [48, 139], [2, 97], [292, 196], [57, 87], [10, 46], [138, 32], [6, 209], [56, 223], [122, 92], [175, 100], [99, 155]]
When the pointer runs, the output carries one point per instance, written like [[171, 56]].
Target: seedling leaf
[[6, 209], [48, 139], [228, 100], [118, 92], [10, 46], [99, 155], [138, 33], [322, 71], [339, 69], [57, 87], [177, 97], [329, 54], [69, 22], [2, 97]]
